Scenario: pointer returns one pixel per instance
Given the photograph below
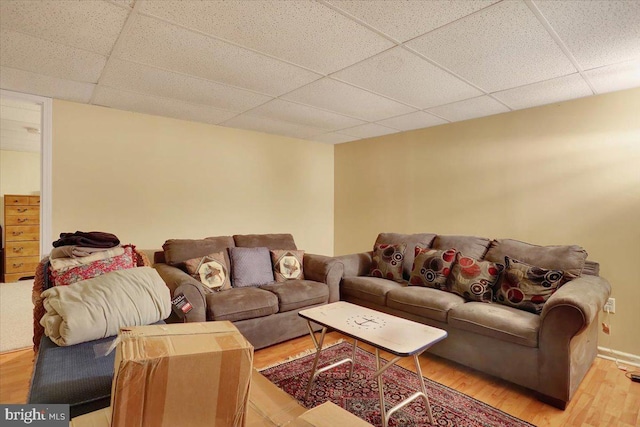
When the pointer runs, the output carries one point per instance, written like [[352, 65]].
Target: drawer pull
[[16, 200], [18, 265], [22, 210], [17, 233], [23, 219], [20, 249]]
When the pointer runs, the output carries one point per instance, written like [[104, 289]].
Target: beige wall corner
[[148, 178], [565, 173]]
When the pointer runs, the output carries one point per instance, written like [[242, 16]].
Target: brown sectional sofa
[[549, 352], [265, 315]]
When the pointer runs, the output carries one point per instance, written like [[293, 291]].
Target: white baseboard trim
[[623, 358]]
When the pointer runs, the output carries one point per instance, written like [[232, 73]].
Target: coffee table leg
[[423, 388], [318, 345], [383, 411], [353, 358]]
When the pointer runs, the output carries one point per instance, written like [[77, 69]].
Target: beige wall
[[147, 179], [560, 174], [19, 174]]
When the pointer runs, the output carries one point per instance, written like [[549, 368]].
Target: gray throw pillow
[[250, 267]]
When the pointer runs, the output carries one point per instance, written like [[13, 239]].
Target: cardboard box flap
[[269, 405], [328, 415]]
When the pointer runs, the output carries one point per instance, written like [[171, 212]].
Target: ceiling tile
[[29, 53], [500, 47], [303, 32], [470, 109], [412, 18], [153, 81], [333, 138], [273, 126], [343, 98], [89, 25], [411, 121], [368, 130], [547, 92], [406, 77], [130, 101], [615, 77], [166, 46], [304, 115], [596, 32], [38, 84]]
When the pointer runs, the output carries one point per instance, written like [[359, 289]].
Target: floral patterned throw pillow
[[387, 261]]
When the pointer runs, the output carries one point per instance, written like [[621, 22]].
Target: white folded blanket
[[63, 264], [97, 308]]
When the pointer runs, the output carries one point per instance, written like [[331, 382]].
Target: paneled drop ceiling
[[329, 70]]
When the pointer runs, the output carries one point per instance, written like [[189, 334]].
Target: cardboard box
[[270, 406], [99, 418], [185, 374], [328, 415]]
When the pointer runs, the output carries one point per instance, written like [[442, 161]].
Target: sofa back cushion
[[569, 259], [411, 240], [271, 241], [177, 251], [470, 246]]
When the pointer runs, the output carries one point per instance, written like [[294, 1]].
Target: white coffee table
[[395, 335]]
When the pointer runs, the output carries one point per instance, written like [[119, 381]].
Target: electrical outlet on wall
[[610, 306]]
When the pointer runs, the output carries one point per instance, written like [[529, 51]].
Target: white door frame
[[46, 151]]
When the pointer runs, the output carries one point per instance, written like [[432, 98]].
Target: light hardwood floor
[[605, 397]]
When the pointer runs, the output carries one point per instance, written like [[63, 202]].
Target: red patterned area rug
[[360, 394]]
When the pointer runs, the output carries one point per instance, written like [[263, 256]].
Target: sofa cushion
[[287, 265], [527, 287], [412, 240], [372, 289], [250, 267], [474, 247], [570, 259], [497, 321], [472, 279], [177, 251], [271, 241], [426, 302], [211, 270], [432, 267], [241, 303], [295, 294], [386, 261]]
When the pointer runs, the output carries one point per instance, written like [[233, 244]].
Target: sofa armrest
[[585, 295], [180, 282], [568, 336], [324, 269], [356, 264]]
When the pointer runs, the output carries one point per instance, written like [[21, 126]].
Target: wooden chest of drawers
[[21, 236]]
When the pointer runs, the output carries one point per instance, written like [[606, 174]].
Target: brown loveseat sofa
[[549, 352], [265, 315]]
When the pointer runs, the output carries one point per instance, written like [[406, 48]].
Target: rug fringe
[[300, 355]]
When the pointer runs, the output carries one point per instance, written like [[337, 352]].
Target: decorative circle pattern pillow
[[387, 261], [211, 270], [287, 265], [527, 287], [432, 267], [473, 279]]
